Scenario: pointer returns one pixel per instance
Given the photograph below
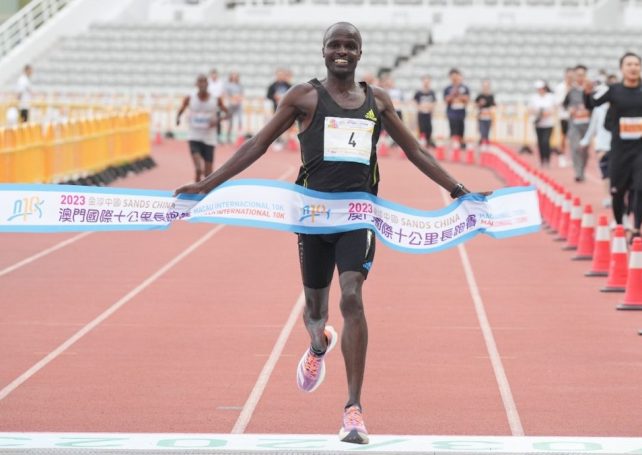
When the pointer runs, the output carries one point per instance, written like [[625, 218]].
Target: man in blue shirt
[[456, 96]]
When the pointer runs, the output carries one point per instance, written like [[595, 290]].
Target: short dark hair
[[581, 67], [453, 71], [326, 35], [629, 54]]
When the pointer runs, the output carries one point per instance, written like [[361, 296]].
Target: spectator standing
[[24, 93], [485, 102], [425, 99], [215, 87], [277, 89], [456, 96], [233, 91]]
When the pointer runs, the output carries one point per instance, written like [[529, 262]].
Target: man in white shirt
[[561, 90], [24, 93]]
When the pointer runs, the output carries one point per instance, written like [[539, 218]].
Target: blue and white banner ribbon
[[272, 205]]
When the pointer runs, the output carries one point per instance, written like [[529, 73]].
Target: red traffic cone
[[633, 293], [440, 154], [158, 138], [456, 154], [602, 249], [383, 148], [586, 242], [575, 223], [617, 266], [239, 140], [470, 156], [293, 145], [565, 218]]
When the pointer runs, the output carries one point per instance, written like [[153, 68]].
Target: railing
[[68, 150], [21, 25]]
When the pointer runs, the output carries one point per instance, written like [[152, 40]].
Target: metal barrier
[[68, 150]]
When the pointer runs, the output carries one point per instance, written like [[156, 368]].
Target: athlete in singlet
[[203, 120], [340, 121], [625, 158]]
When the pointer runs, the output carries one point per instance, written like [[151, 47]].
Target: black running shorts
[[351, 251], [625, 169], [456, 127], [204, 150]]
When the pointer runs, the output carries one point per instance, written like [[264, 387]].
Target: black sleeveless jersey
[[338, 149]]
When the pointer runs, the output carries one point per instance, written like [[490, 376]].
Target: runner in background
[[602, 137], [542, 107], [578, 122], [202, 137], [625, 158]]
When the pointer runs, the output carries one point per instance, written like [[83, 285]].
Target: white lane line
[[43, 253], [112, 309], [105, 314], [510, 408], [254, 397]]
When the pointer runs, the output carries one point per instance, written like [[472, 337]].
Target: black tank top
[[338, 149]]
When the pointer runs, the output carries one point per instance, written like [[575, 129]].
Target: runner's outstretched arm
[[419, 156], [287, 112]]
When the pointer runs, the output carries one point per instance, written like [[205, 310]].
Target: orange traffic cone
[[158, 138], [633, 293], [440, 154], [602, 249], [575, 223], [586, 242], [617, 266]]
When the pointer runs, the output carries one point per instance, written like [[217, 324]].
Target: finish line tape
[[271, 205]]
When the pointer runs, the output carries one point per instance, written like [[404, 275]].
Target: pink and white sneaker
[[311, 370], [353, 429]]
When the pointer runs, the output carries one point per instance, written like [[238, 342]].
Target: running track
[[195, 323]]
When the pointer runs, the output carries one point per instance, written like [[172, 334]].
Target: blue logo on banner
[[26, 207], [312, 211]]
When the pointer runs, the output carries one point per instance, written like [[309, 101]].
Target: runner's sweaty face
[[342, 50]]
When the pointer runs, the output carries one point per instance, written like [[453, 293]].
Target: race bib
[[200, 120], [630, 128], [458, 106], [347, 139], [485, 114]]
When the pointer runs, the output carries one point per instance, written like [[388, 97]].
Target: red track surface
[[184, 354]]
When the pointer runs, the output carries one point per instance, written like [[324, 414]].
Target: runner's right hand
[[191, 188]]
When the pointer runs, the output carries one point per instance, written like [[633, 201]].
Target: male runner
[[332, 113], [203, 121], [625, 158]]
